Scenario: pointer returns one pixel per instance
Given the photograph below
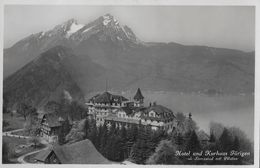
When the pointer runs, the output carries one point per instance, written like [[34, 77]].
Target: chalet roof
[[127, 110], [138, 95], [131, 110], [118, 98], [103, 98], [42, 156], [82, 152], [52, 119], [93, 98], [159, 109], [107, 97], [164, 113], [137, 109]]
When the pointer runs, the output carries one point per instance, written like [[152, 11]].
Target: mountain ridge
[[113, 52], [44, 79]]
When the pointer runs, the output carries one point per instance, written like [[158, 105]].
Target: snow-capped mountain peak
[[106, 27], [70, 32], [74, 27], [107, 19]]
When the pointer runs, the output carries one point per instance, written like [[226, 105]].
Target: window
[[152, 114]]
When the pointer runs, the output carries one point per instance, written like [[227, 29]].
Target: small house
[[82, 152]]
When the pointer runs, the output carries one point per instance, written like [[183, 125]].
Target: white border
[[255, 3]]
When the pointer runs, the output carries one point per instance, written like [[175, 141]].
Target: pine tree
[[93, 133], [212, 138], [132, 133], [86, 127], [63, 131], [61, 137], [225, 140], [143, 147], [66, 126], [123, 143], [103, 139], [164, 154], [179, 139], [236, 147], [193, 143]]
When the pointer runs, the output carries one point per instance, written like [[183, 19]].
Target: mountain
[[48, 77], [112, 52], [69, 34]]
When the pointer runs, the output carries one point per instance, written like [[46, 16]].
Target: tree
[[5, 104], [143, 147], [236, 145], [216, 129], [61, 137], [122, 144], [225, 140], [179, 140], [93, 133], [113, 150], [63, 131], [185, 125], [5, 153], [244, 142], [24, 110], [131, 137], [193, 143], [180, 117], [212, 138], [189, 126], [164, 154], [132, 134], [32, 125], [103, 134], [77, 132], [86, 127], [77, 110]]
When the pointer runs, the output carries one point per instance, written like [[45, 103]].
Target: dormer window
[[152, 114]]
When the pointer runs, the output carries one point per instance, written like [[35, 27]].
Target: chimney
[[150, 104], [154, 103], [190, 116]]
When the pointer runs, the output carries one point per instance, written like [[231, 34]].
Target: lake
[[230, 110]]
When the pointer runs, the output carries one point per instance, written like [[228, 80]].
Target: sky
[[216, 26]]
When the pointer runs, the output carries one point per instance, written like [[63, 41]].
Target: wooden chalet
[[50, 125], [82, 152]]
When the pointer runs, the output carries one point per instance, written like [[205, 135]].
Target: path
[[9, 133], [21, 158]]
